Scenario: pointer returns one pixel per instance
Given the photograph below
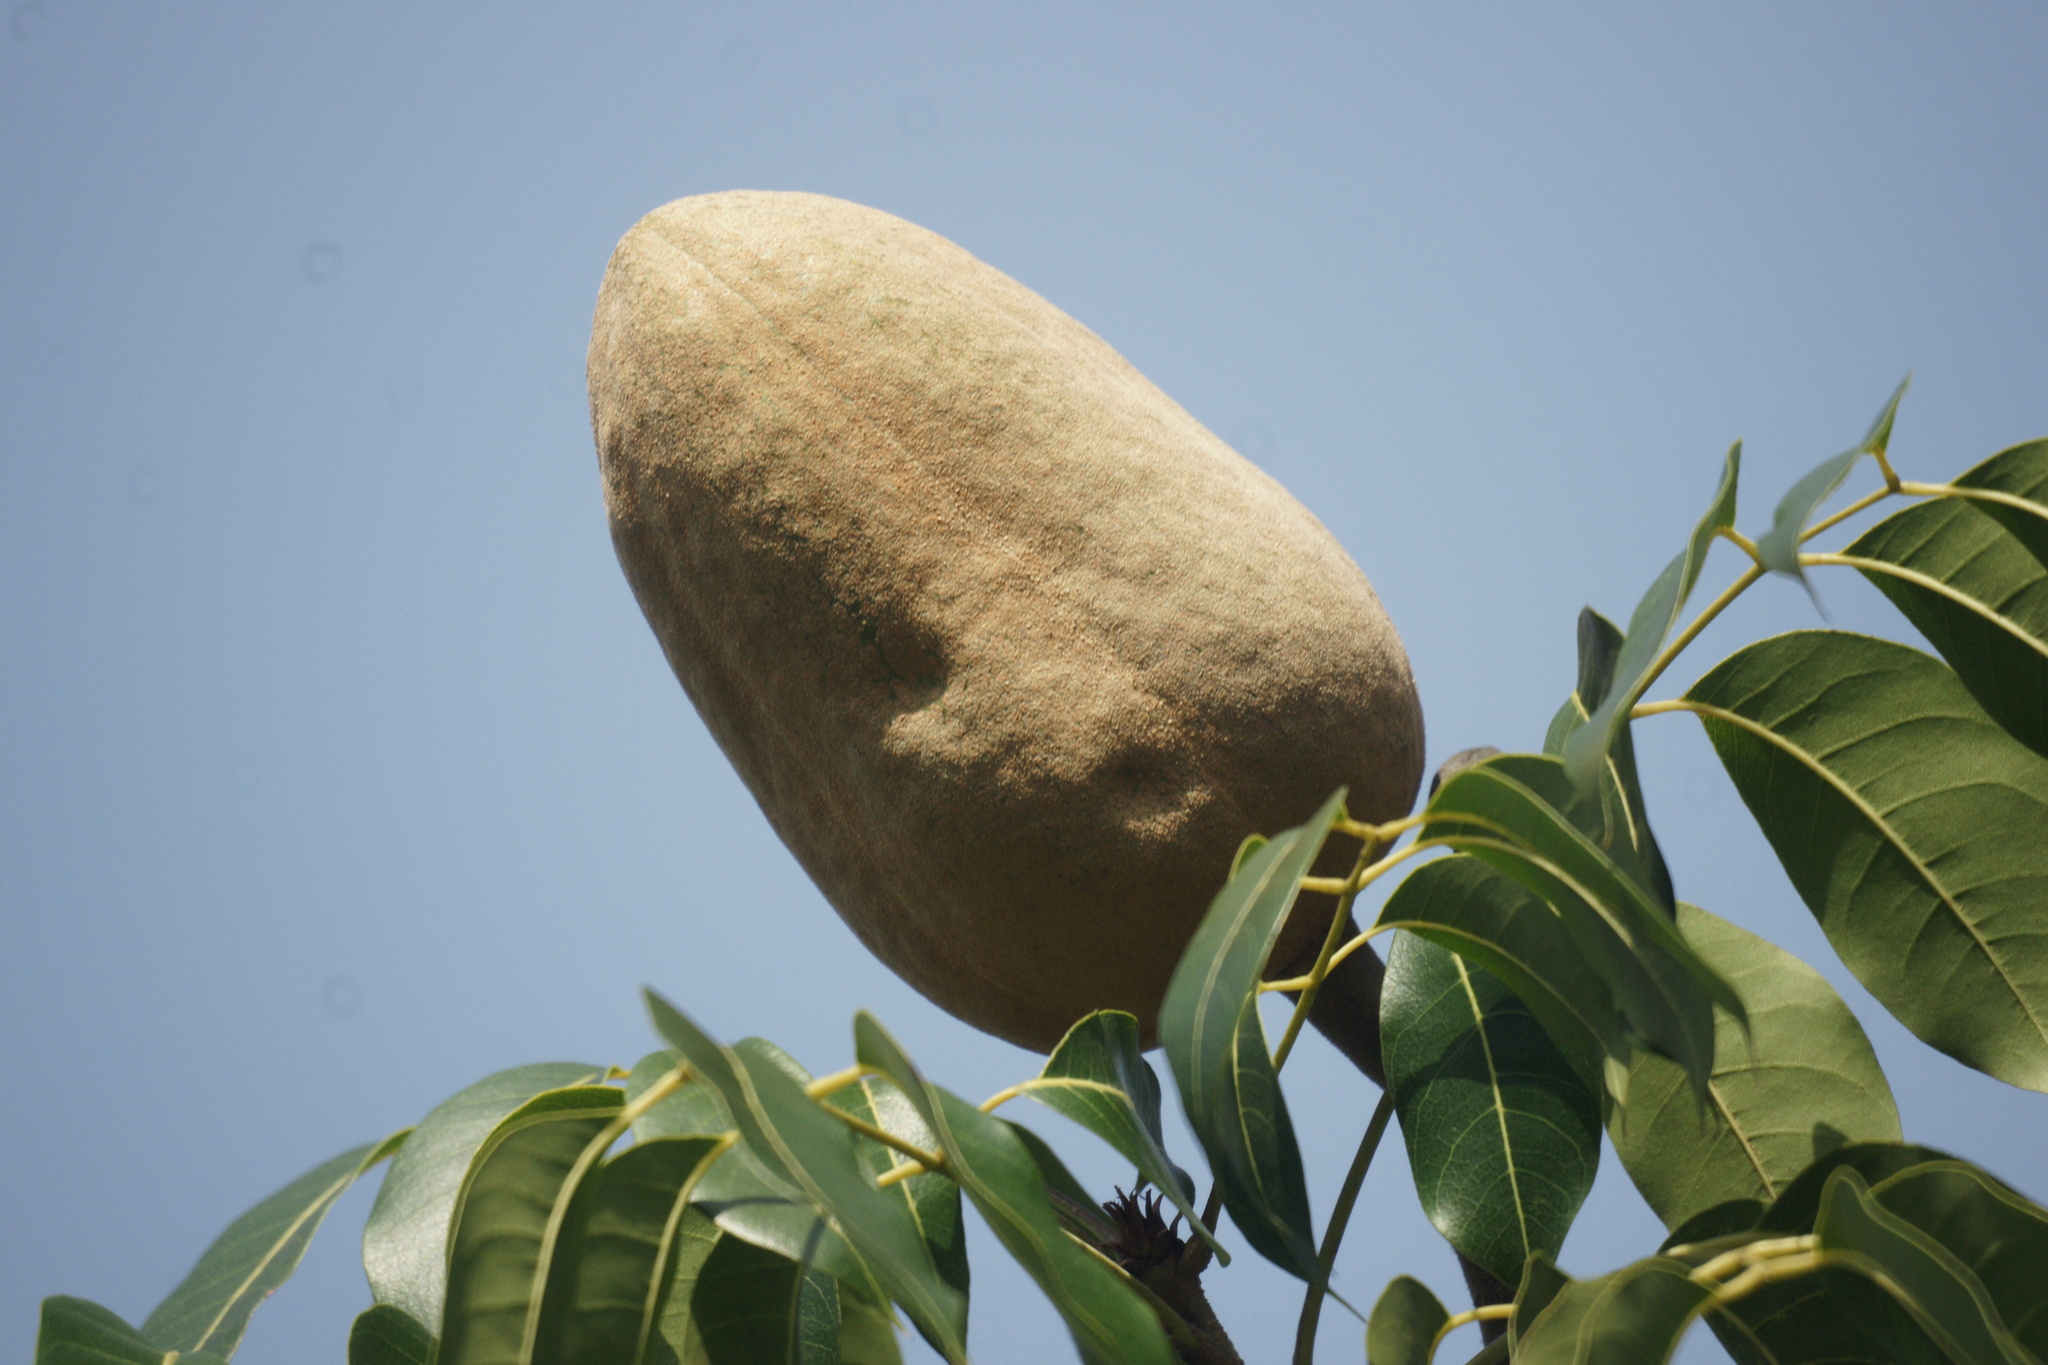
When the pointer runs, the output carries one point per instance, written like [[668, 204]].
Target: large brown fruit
[[1010, 649]]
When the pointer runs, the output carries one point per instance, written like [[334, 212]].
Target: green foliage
[[1912, 825], [725, 1207], [1799, 1083], [1503, 1135], [1209, 1026]]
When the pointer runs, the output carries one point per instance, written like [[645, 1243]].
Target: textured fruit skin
[[1010, 649]]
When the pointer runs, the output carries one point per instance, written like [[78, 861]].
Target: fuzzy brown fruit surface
[[1011, 650]]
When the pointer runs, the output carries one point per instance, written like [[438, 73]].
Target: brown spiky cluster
[[1143, 1236]]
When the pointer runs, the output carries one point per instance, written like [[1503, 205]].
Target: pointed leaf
[[1110, 1324], [1999, 1235], [1404, 1324], [383, 1335], [1209, 1024], [1915, 829], [1098, 1078], [405, 1244], [1585, 753], [1944, 1298], [1802, 1082], [1503, 1135], [1634, 1316], [80, 1332], [1977, 595], [1778, 548], [210, 1310], [625, 1224], [503, 1244], [804, 1146], [1622, 827]]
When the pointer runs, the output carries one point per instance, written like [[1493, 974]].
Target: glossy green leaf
[[1914, 827], [1978, 597], [383, 1335], [1622, 826], [405, 1243], [502, 1248], [1462, 904], [1099, 1078], [1503, 1134], [1634, 1316], [1778, 548], [621, 1247], [1403, 1327], [1649, 626], [932, 1200], [1110, 1324], [1510, 812], [1800, 1083], [1209, 1025], [801, 1144], [2013, 487], [257, 1252], [80, 1332], [1944, 1298]]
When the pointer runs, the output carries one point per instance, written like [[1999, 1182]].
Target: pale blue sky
[[336, 764]]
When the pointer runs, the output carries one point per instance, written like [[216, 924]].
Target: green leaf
[[1462, 904], [1634, 1316], [210, 1309], [748, 1200], [1510, 812], [1915, 829], [1835, 1317], [1999, 1235], [695, 1239], [1503, 1134], [405, 1244], [1209, 1024], [80, 1332], [1978, 597], [502, 1249], [621, 1247], [1778, 548], [1622, 826], [1110, 1324], [1944, 1298], [754, 1307], [1541, 1281], [932, 1200], [802, 1145], [383, 1335], [2013, 487], [1802, 1082], [1098, 1078], [1404, 1324], [1585, 752]]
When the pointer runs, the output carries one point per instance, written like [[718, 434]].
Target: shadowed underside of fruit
[[1010, 649]]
